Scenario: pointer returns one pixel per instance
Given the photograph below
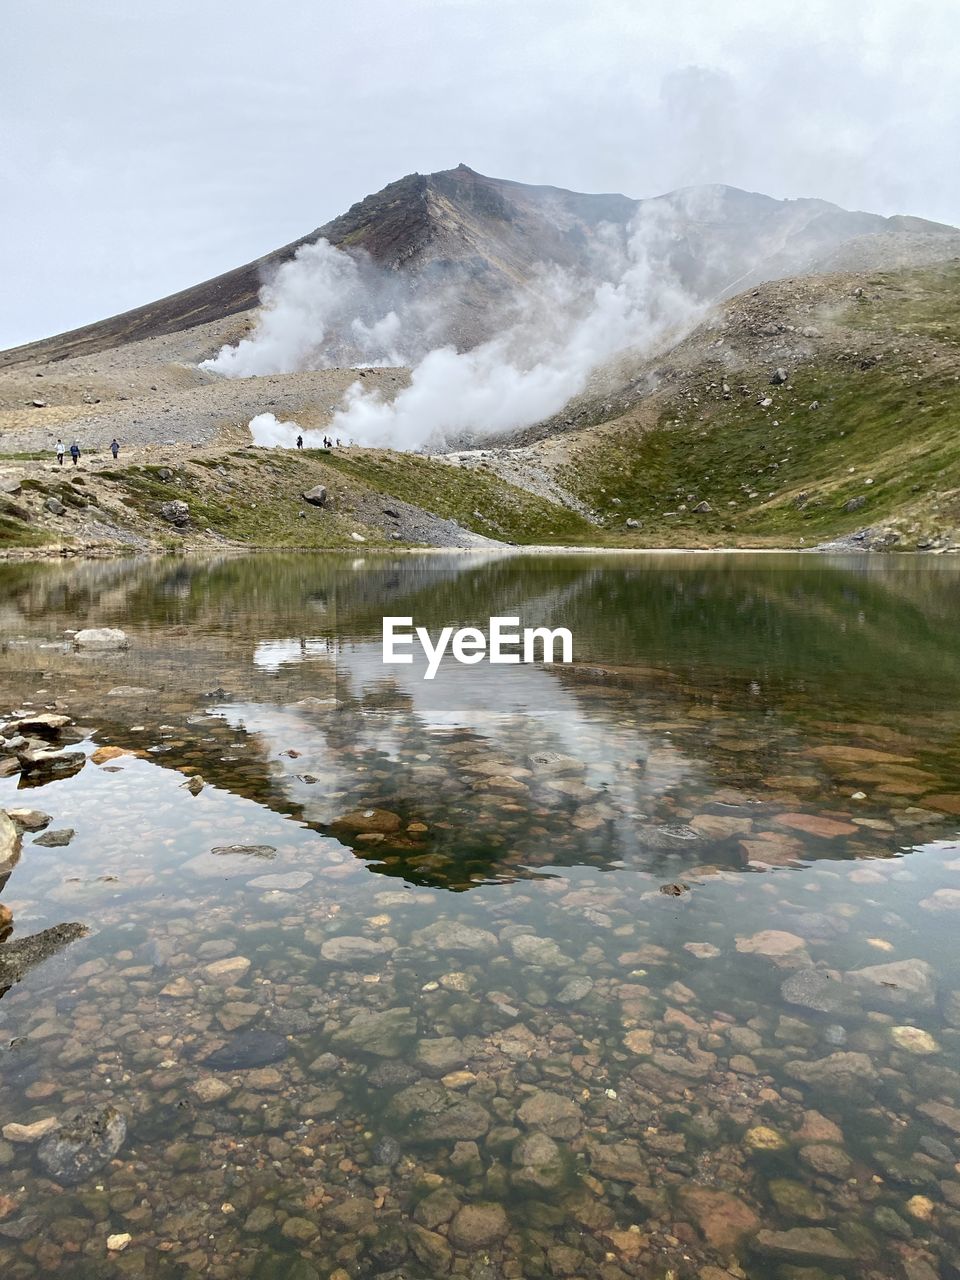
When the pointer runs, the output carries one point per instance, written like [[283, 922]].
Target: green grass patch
[[475, 499], [787, 471]]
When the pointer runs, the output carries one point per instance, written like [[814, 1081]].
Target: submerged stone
[[248, 1049], [450, 935], [814, 989], [899, 984], [803, 1244], [382, 1034], [556, 1115], [82, 1144]]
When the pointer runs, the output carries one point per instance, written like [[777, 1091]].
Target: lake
[[644, 965]]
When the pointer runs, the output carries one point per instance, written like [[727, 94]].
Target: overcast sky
[[144, 148]]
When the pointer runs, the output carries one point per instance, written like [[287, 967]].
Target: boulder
[[539, 1161], [814, 989], [440, 1055], [16, 958], [450, 935], [55, 839], [382, 1034], [9, 841], [804, 1244], [29, 819], [317, 496], [477, 1226], [552, 1113], [175, 512], [82, 1145], [901, 984], [364, 820], [55, 507], [722, 1218], [101, 638], [348, 950], [843, 1073]]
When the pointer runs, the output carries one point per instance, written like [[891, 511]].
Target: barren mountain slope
[[487, 236]]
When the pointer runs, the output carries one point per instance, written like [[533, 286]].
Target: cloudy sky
[[145, 148]]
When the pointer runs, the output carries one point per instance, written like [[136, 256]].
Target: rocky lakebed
[[644, 966]]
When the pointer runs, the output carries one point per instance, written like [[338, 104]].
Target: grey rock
[[16, 958], [28, 819], [575, 990], [349, 950], [449, 935], [438, 1114], [843, 1073], [317, 496], [82, 1145], [703, 508], [101, 638], [265, 851], [813, 989], [56, 839], [532, 949], [175, 512], [440, 1055], [386, 1151], [248, 1049], [901, 984], [43, 760], [540, 1163], [55, 507], [552, 1113], [803, 1244], [383, 1034]]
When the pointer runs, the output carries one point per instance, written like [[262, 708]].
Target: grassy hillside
[[863, 434], [475, 499]]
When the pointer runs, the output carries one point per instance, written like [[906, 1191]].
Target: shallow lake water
[[642, 966]]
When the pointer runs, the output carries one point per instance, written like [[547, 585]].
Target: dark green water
[[524, 971]]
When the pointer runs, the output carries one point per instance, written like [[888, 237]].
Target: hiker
[[60, 451], [299, 442], [114, 447], [75, 452], [338, 442]]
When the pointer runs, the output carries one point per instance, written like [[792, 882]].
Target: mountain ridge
[[489, 235]]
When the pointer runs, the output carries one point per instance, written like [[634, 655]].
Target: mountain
[[487, 237]]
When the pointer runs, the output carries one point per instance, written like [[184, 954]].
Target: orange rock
[[816, 825], [770, 942], [723, 1219], [103, 755], [949, 803], [817, 1128]]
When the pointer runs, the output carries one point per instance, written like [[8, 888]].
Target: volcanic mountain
[[487, 237]]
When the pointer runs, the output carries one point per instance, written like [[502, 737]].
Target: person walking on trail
[[60, 451], [299, 442], [75, 452], [114, 447]]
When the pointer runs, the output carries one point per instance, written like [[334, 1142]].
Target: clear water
[[611, 892]]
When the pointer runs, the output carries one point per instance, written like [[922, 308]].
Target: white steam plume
[[544, 359], [326, 308], [266, 430]]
